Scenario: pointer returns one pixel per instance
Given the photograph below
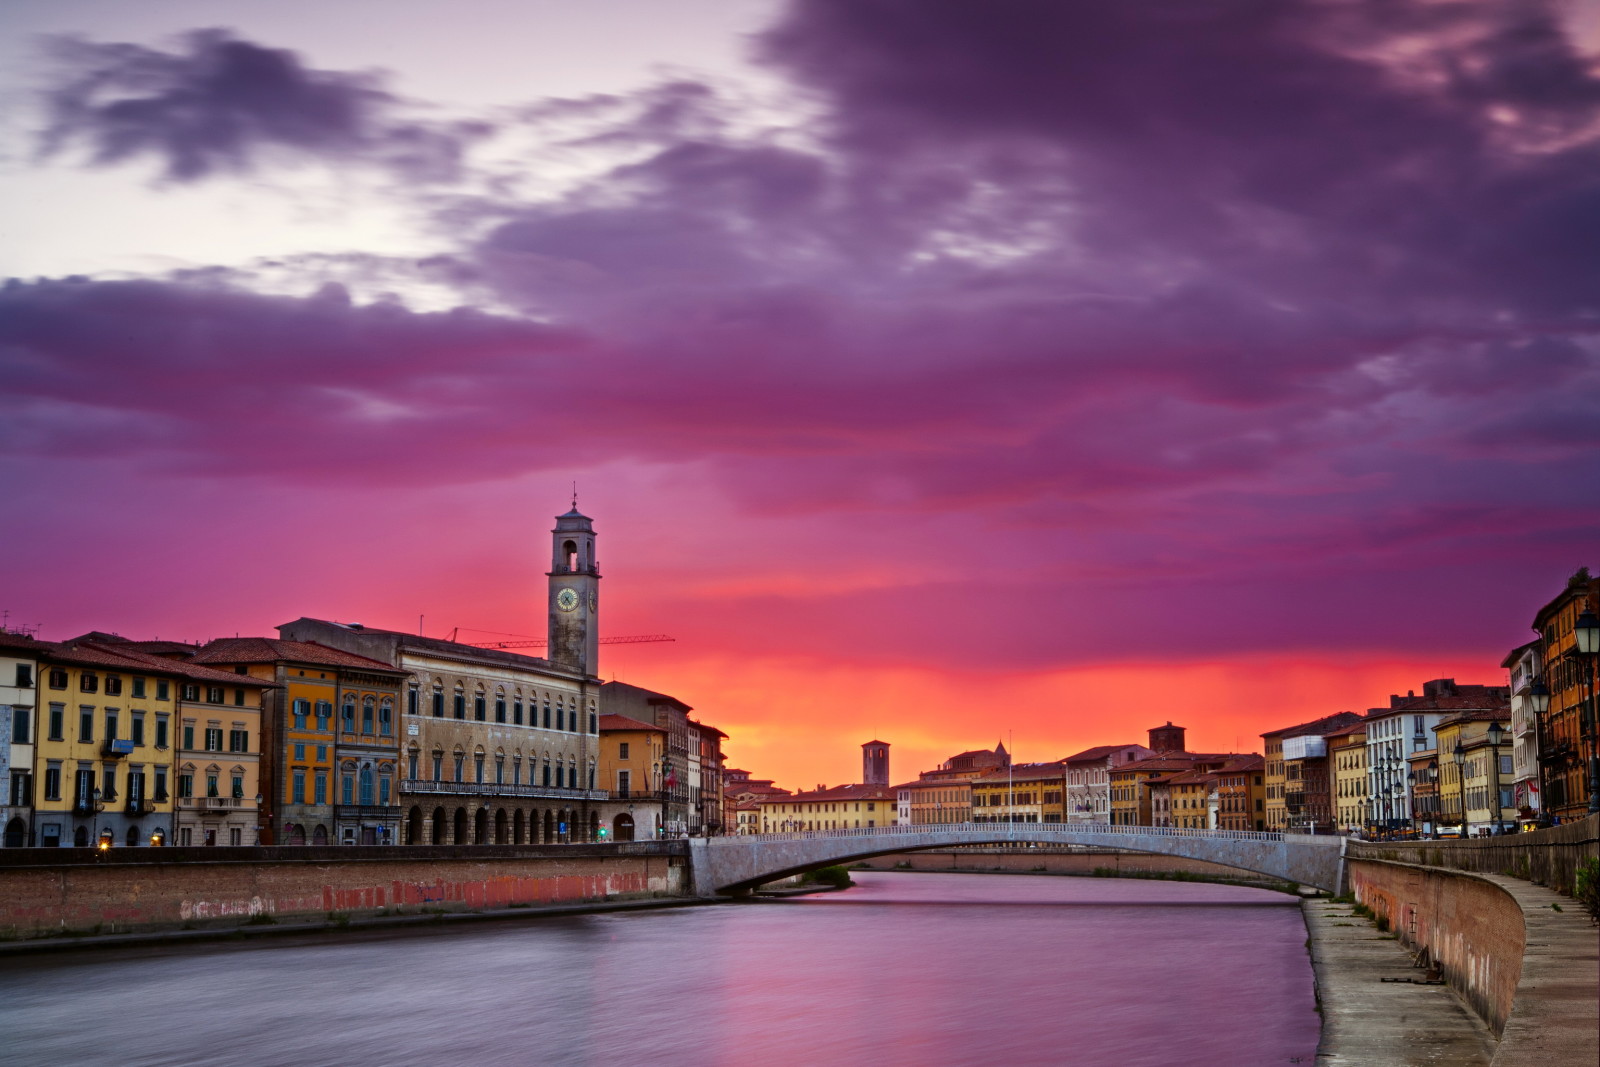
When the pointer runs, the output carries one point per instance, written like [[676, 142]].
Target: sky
[[934, 372]]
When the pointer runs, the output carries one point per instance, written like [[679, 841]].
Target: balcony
[[366, 811], [140, 806], [641, 794], [116, 747], [428, 787]]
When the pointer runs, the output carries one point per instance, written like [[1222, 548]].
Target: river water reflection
[[905, 970]]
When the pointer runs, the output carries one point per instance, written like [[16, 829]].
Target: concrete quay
[[1374, 1014]]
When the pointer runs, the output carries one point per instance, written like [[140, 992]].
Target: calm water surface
[[905, 969]]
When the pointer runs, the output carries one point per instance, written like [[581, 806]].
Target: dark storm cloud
[[217, 103]]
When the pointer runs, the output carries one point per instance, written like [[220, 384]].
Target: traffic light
[[604, 833]]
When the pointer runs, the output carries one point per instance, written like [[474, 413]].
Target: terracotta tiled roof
[[1099, 752], [1251, 762], [1326, 725], [1024, 772], [622, 722], [1479, 715], [272, 649], [88, 654], [839, 792]]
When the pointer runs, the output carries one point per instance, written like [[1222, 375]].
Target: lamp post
[[1411, 788], [1497, 734], [1586, 638], [1539, 704]]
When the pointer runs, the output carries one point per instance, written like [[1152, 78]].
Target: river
[[904, 970]]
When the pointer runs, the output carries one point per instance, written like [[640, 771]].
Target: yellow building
[[1289, 797], [107, 741], [1183, 800], [217, 760], [1475, 773], [631, 759], [844, 807], [934, 801], [1130, 793], [1347, 753], [1023, 792]]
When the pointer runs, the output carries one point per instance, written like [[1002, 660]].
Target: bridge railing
[[1027, 832]]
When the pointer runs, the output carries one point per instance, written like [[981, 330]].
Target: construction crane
[[631, 639]]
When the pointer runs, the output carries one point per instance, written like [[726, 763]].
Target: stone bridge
[[733, 865]]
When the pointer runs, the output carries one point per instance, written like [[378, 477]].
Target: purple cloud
[[219, 103]]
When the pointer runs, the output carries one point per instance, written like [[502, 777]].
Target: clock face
[[567, 600]]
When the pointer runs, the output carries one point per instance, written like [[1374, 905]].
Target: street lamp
[[1497, 734], [1586, 638]]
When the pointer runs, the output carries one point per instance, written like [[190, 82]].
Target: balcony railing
[[428, 787], [641, 794], [366, 811]]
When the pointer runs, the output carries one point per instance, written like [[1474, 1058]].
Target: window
[[622, 750], [52, 782], [138, 687], [516, 712], [561, 717], [113, 685], [88, 682], [238, 740], [547, 774], [366, 786], [211, 783], [477, 770], [238, 698], [500, 709], [302, 708], [161, 783], [499, 770], [411, 701], [298, 796], [594, 723], [215, 695], [188, 735], [321, 786], [163, 689], [322, 753], [478, 708], [324, 714], [411, 764], [461, 705], [85, 724], [191, 691], [347, 716], [137, 735], [185, 786], [20, 723], [58, 678], [368, 708], [347, 787], [300, 751], [111, 724], [438, 704], [460, 762], [213, 739], [383, 790], [547, 714], [238, 785], [385, 718], [438, 767], [58, 713]]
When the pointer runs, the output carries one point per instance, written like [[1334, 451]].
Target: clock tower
[[574, 595]]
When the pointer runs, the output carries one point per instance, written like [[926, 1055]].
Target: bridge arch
[[731, 865]]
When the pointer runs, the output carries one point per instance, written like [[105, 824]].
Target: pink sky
[[933, 374]]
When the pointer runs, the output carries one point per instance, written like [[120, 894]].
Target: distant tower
[[574, 595], [1168, 738], [875, 763]]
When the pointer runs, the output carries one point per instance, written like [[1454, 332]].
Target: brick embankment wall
[[1545, 857], [152, 889], [1057, 862], [1470, 928]]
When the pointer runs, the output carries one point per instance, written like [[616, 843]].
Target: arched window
[[347, 715], [366, 786], [347, 788], [460, 761]]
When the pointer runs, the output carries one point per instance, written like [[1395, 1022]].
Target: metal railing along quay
[[1030, 831]]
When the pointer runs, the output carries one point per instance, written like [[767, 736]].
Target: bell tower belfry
[[574, 595]]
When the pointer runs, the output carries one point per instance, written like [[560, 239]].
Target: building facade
[[1567, 735], [844, 807], [631, 755], [1406, 727], [1297, 781], [1347, 756], [19, 698], [1089, 780], [1524, 669]]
